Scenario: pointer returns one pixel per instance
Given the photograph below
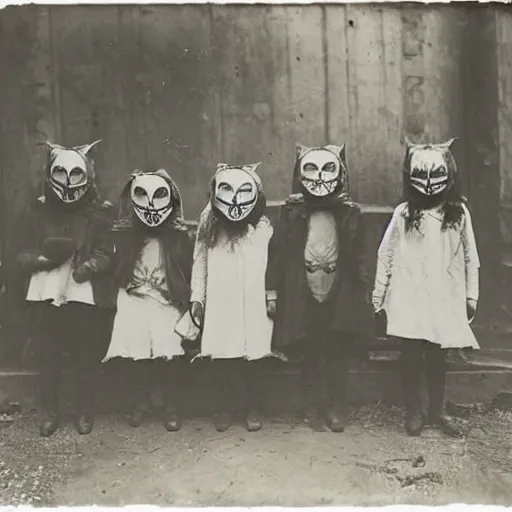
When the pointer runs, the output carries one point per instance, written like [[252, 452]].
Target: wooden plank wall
[[504, 64], [187, 86]]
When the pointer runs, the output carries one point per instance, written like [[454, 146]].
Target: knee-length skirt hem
[[144, 329]]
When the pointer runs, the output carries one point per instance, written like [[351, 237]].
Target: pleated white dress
[[145, 320], [424, 278]]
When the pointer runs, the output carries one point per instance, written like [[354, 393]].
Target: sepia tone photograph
[[256, 254]]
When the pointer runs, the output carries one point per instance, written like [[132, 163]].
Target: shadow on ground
[[285, 464]]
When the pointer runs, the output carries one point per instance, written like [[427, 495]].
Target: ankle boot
[[85, 423], [436, 383], [172, 420], [253, 421], [222, 421], [49, 424], [137, 416]]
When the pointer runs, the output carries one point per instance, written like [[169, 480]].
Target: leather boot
[[411, 368], [85, 423], [137, 416], [436, 384], [49, 424], [172, 420]]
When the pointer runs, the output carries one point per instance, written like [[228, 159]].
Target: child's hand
[[196, 311], [381, 321], [271, 308], [83, 272], [471, 305]]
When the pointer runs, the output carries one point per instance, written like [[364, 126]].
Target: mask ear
[[449, 143], [83, 150], [251, 167], [49, 145], [301, 150], [338, 150]]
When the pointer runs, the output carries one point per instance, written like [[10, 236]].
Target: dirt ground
[[285, 464]]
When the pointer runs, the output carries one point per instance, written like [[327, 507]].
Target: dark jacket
[[348, 309], [129, 236], [89, 225], [177, 250]]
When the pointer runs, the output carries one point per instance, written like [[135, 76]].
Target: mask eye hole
[[59, 174], [439, 172], [161, 193], [309, 167], [420, 173], [245, 193], [329, 167], [224, 187], [76, 176], [140, 196]]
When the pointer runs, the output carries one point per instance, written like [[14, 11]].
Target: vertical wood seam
[[325, 49], [55, 75]]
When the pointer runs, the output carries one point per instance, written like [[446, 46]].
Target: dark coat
[[348, 310], [177, 251], [178, 248], [89, 225]]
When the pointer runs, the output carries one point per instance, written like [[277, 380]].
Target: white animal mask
[[70, 172], [235, 191], [151, 197], [322, 170], [429, 169]]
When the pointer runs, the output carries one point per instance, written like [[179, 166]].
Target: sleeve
[[103, 249], [385, 260], [186, 255], [199, 271], [471, 258], [272, 273]]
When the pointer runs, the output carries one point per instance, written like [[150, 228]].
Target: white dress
[[424, 278], [230, 283], [145, 320], [58, 286]]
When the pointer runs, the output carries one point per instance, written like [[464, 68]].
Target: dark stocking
[[254, 378], [227, 379], [51, 345], [139, 386], [435, 367], [411, 369], [171, 377], [336, 369], [312, 382]]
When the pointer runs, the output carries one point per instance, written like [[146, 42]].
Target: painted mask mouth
[[236, 211], [152, 216], [319, 187], [69, 194]]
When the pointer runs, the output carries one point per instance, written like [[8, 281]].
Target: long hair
[[213, 224]]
